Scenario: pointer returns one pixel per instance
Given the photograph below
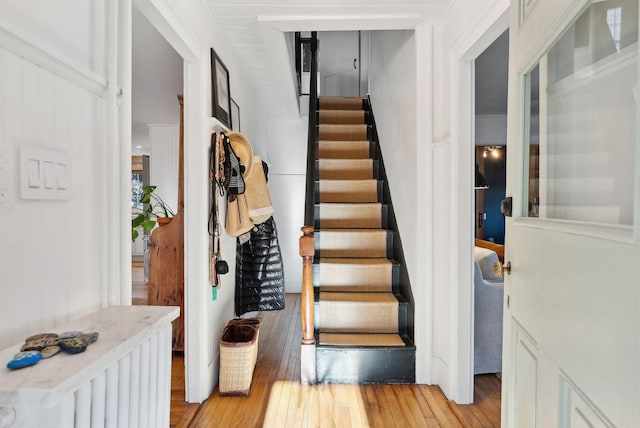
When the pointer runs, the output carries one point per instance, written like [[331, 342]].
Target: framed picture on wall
[[235, 116], [220, 90]]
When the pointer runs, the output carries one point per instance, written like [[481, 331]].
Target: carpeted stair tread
[[342, 132], [340, 103], [350, 216], [361, 339], [345, 169], [332, 149], [355, 274], [352, 242], [341, 117], [358, 312], [348, 190]]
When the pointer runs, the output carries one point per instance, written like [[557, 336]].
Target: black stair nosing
[[379, 188], [375, 173], [384, 208], [318, 254], [340, 364]]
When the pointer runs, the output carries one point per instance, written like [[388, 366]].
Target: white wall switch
[[61, 175], [4, 175], [44, 174], [34, 176], [50, 179]]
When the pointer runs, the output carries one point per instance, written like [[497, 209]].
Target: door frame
[[195, 56], [463, 55]]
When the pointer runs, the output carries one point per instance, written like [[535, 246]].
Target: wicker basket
[[255, 321], [238, 355]]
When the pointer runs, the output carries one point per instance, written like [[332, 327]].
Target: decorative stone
[[24, 359], [89, 338], [69, 334], [50, 351], [39, 344], [73, 345]]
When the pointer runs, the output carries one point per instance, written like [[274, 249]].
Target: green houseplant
[[155, 208]]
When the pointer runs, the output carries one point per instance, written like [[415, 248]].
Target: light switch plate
[[43, 174]]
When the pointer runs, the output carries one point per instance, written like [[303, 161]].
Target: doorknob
[[507, 268], [355, 62]]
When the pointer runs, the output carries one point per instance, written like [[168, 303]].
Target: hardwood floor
[[277, 399], [181, 412]]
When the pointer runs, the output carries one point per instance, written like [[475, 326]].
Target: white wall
[[163, 162], [400, 87], [287, 149], [394, 102], [53, 255]]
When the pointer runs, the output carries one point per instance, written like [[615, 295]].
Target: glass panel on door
[[582, 113]]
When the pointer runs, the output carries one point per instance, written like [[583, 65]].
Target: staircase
[[361, 316]]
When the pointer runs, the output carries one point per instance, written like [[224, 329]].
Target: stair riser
[[353, 220], [333, 132], [357, 118], [368, 312], [338, 103], [351, 276], [365, 365], [346, 197], [329, 151], [344, 171], [344, 250]]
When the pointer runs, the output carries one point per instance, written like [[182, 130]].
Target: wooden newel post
[[308, 346], [307, 251]]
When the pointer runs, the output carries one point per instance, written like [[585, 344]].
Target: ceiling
[[491, 73], [156, 81], [255, 31], [255, 28]]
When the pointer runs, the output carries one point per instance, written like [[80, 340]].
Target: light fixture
[[493, 150], [138, 147]]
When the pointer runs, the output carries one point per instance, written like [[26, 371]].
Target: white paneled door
[[572, 300], [339, 63]]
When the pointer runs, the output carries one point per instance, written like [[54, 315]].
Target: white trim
[[463, 53], [342, 22], [113, 210], [54, 62], [125, 118], [423, 295]]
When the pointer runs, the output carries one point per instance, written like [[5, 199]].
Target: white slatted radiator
[[123, 380]]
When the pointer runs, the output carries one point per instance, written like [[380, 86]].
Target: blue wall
[[495, 172]]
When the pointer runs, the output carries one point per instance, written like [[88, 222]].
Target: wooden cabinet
[[166, 254]]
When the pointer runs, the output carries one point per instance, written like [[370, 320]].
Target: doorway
[[491, 69], [157, 80]]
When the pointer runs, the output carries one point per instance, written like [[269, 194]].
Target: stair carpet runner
[[357, 306]]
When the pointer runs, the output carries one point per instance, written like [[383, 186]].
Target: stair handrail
[[307, 245], [311, 134]]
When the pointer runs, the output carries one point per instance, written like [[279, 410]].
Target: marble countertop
[[121, 328]]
